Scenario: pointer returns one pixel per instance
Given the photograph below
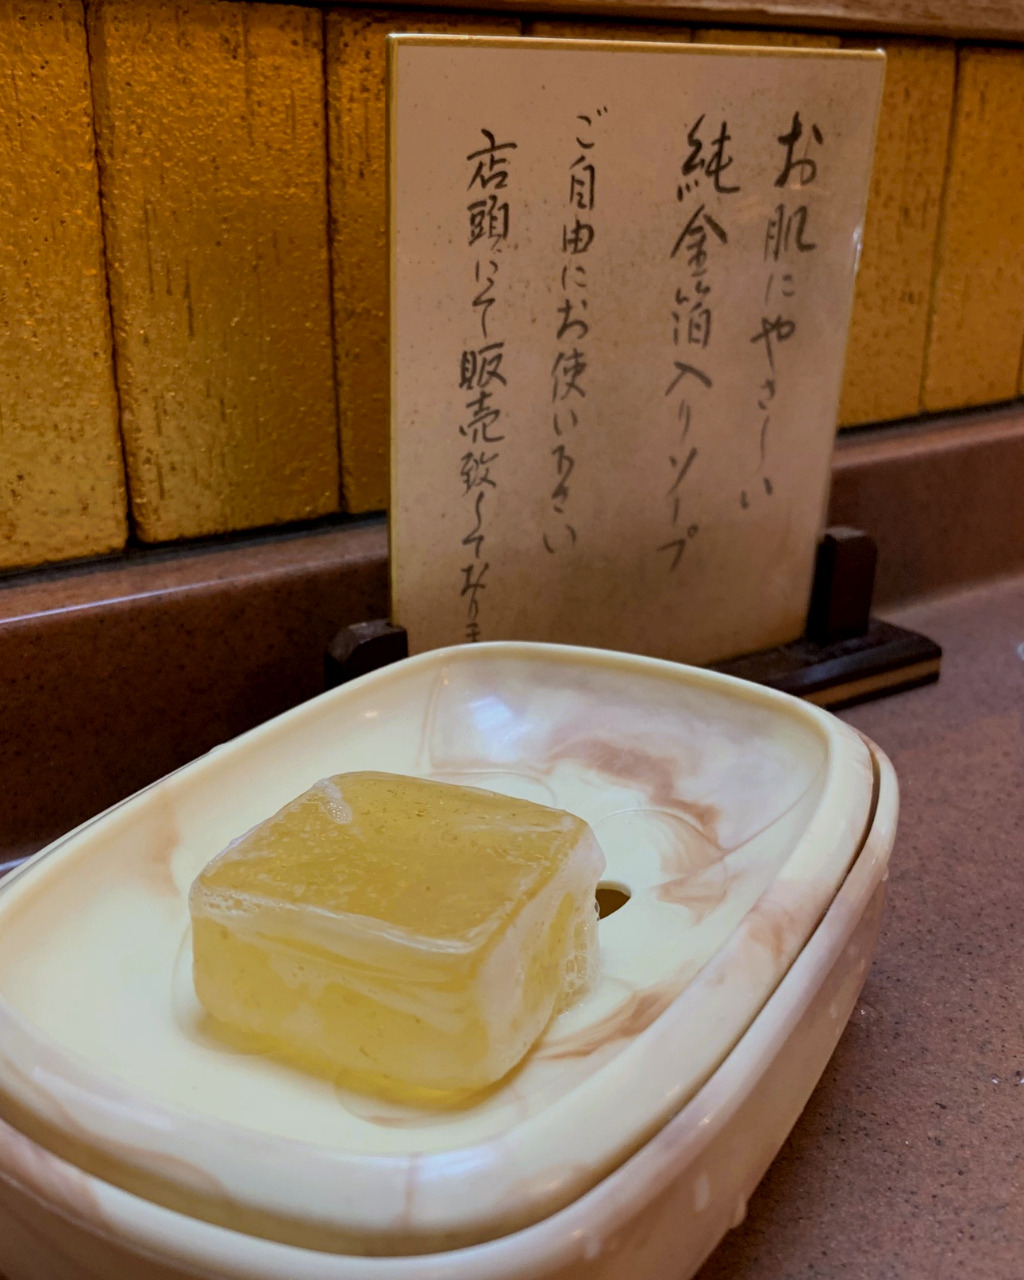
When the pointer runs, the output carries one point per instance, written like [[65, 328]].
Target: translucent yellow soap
[[410, 935]]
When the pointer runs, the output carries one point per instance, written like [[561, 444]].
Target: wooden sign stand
[[845, 656]]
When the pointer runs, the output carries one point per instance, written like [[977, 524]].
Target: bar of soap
[[407, 935]]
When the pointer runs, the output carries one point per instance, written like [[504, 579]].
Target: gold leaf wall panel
[[356, 74], [211, 126], [212, 122], [977, 313], [61, 482], [768, 39], [570, 29], [888, 328]]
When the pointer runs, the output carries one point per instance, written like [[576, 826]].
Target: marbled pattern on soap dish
[[731, 814]]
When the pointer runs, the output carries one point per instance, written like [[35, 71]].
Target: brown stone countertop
[[908, 1162]]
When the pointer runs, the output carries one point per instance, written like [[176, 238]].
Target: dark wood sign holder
[[845, 655]]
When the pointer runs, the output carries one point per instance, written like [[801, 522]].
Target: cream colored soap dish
[[751, 833]]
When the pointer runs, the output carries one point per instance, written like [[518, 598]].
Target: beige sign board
[[621, 282]]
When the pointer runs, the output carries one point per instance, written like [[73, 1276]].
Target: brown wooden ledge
[[943, 498], [115, 674]]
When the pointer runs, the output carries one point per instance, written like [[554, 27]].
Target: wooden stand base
[[886, 659], [845, 657]]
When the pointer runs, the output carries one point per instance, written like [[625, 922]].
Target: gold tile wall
[[242, 156], [61, 481], [977, 312], [356, 74], [773, 39], [885, 349], [211, 126], [574, 29]]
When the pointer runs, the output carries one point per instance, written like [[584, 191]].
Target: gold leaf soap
[[411, 935]]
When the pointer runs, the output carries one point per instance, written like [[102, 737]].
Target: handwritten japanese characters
[[621, 280], [700, 183], [480, 375], [568, 372], [785, 239]]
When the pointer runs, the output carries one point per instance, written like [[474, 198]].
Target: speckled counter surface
[[908, 1163]]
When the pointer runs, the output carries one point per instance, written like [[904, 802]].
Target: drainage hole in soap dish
[[611, 895]]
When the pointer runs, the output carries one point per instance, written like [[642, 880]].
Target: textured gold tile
[[977, 311], [568, 29], [61, 483], [766, 39], [888, 327], [356, 74], [211, 126]]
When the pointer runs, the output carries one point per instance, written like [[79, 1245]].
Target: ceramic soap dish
[[746, 835]]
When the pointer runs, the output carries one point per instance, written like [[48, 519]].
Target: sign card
[[621, 283]]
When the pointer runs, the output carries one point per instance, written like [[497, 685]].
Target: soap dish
[[746, 837]]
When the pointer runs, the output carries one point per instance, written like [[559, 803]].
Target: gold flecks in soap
[[61, 480], [412, 935], [356, 89], [211, 125]]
